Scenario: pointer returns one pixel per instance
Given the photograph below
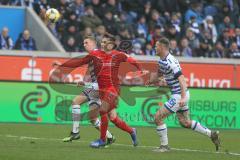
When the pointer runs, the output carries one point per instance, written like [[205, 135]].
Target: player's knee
[[93, 121], [185, 124], [111, 117], [158, 118], [75, 103]]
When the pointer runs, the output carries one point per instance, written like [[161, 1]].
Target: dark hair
[[90, 37], [165, 42], [110, 37]]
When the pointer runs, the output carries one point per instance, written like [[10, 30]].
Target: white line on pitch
[[126, 145]]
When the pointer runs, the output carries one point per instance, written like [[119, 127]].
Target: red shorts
[[109, 95]]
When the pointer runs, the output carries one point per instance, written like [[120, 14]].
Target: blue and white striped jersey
[[171, 70]]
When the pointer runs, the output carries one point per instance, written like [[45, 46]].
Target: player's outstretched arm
[[77, 62], [156, 78], [134, 62]]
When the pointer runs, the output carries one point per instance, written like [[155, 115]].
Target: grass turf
[[43, 142]]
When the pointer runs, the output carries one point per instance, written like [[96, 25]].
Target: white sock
[[162, 132], [196, 126], [76, 118], [97, 126], [108, 134]]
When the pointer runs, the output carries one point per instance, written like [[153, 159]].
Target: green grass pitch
[[43, 142]]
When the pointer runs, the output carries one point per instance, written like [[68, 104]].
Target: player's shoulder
[[119, 53], [171, 60], [96, 52]]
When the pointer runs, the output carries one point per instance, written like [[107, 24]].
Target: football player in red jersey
[[106, 68], [89, 94], [109, 95]]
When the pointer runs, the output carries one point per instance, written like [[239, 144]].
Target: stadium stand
[[193, 24]]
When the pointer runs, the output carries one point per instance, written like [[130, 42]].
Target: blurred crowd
[[24, 42], [196, 28]]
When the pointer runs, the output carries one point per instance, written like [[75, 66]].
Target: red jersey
[[106, 66]]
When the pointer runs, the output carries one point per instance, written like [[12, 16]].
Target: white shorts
[[92, 96], [173, 103]]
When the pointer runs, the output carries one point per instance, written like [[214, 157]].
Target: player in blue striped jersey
[[171, 71]]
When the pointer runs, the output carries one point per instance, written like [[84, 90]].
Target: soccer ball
[[52, 15]]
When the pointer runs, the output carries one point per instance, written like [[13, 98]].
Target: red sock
[[103, 126], [122, 125]]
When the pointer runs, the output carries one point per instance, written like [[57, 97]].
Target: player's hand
[[137, 74], [182, 101], [144, 72], [56, 64], [80, 83]]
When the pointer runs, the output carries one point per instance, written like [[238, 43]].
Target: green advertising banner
[[45, 103]]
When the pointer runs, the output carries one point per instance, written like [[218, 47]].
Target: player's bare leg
[[123, 126], [162, 129], [76, 112], [186, 122], [103, 127], [94, 110]]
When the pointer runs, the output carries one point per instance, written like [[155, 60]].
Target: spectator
[[206, 45], [193, 39], [169, 6], [227, 24], [90, 19], [194, 11], [26, 42], [6, 41], [71, 45], [234, 52], [5, 2], [238, 21], [111, 6], [100, 32], [224, 12], [186, 51], [176, 21], [125, 20], [174, 48], [209, 26], [96, 4], [183, 5], [133, 6], [109, 23], [87, 32], [137, 50], [210, 9], [62, 7], [156, 20], [193, 25], [237, 37], [149, 51], [77, 6], [72, 20], [157, 34], [225, 39], [41, 6], [124, 34], [147, 10], [172, 33], [71, 32], [218, 51], [142, 28]]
